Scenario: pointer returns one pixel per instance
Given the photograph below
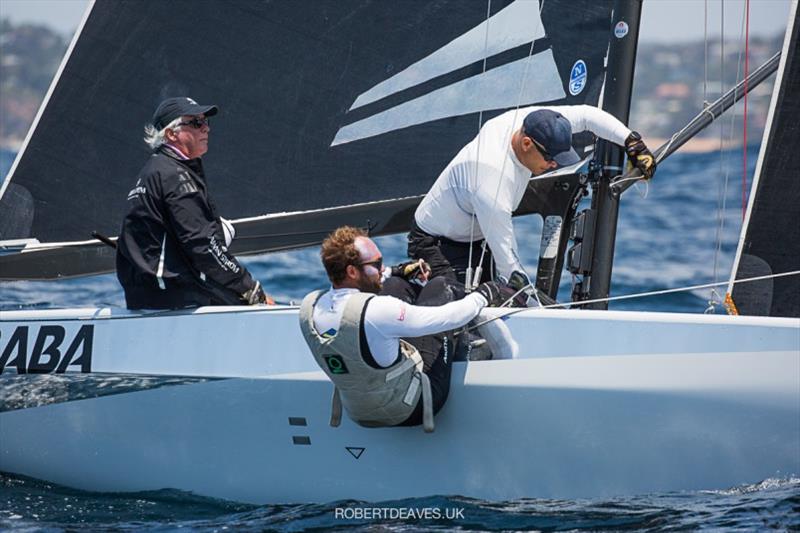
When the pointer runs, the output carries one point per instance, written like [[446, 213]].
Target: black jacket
[[171, 250]]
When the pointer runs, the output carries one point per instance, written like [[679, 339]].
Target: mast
[[605, 200]]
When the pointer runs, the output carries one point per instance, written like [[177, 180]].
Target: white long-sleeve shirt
[[485, 179], [388, 319]]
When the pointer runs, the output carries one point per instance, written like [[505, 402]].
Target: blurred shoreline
[[698, 145]]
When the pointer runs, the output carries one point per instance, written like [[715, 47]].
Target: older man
[[474, 196], [172, 250], [357, 338]]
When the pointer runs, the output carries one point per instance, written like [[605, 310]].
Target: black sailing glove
[[639, 155], [497, 294], [528, 295], [256, 295], [412, 270], [519, 281]]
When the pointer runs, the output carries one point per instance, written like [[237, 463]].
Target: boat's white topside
[[263, 341], [598, 404]]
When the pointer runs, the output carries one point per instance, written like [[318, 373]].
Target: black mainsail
[[770, 242], [344, 113]]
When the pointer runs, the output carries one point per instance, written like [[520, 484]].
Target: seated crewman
[[357, 337]]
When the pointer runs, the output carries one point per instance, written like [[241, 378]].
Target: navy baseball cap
[[172, 108], [554, 132]]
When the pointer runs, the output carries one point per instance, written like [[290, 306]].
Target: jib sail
[[770, 241]]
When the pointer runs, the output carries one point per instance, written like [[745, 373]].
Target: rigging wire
[[722, 189], [744, 118], [634, 296], [705, 54], [523, 82], [514, 311], [468, 277], [722, 183]]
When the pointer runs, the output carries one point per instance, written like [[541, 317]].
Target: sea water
[[680, 230]]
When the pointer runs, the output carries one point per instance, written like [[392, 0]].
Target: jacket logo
[[186, 182], [336, 364], [47, 356], [218, 252], [137, 190]]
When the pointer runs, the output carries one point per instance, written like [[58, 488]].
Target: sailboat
[[227, 402]]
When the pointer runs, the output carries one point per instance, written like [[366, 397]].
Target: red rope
[[744, 120]]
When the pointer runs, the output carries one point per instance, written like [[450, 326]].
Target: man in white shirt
[[358, 338], [475, 194]]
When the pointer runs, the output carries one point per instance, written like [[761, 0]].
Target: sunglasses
[[196, 123], [547, 157], [377, 263]]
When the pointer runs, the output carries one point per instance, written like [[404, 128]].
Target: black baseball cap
[[172, 108], [554, 132]]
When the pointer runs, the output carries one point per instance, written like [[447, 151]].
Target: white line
[[494, 89], [510, 29], [160, 273], [632, 296]]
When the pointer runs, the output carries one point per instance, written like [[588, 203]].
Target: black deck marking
[[354, 451], [301, 440], [297, 421]]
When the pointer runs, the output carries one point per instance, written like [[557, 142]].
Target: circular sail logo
[[577, 77], [621, 29]]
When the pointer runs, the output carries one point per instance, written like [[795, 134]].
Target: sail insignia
[[530, 80]]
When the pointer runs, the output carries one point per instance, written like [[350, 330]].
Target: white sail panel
[[526, 81], [513, 26]]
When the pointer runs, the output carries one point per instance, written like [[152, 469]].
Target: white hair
[[155, 138]]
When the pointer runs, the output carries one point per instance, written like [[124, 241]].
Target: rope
[[705, 54], [640, 295], [503, 167], [468, 281], [744, 118], [722, 183], [722, 190]]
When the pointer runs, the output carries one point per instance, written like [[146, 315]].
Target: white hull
[[601, 404]]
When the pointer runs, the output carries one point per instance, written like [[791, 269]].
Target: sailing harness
[[373, 396]]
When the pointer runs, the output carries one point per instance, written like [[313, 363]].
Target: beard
[[372, 285]]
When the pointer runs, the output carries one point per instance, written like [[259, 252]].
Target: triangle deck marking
[[354, 451]]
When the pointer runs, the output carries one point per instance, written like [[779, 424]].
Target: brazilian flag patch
[[336, 364]]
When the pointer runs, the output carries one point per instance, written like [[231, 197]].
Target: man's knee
[[438, 291]]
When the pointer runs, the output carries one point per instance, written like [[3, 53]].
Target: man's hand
[[519, 281], [498, 295], [413, 271], [639, 155], [532, 297], [256, 295]]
